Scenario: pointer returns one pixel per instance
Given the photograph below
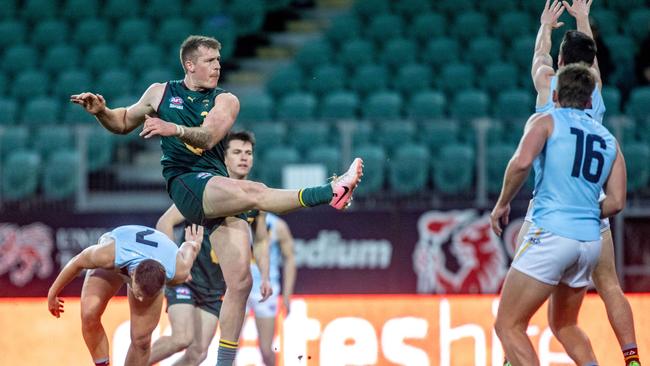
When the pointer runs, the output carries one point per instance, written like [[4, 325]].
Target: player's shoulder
[[226, 97]]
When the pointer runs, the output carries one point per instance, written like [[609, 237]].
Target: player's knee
[[141, 342], [242, 285], [182, 341], [196, 355], [90, 317]]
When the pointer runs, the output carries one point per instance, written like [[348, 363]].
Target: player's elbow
[[520, 163]]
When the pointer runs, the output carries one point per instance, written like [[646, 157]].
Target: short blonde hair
[[192, 43]]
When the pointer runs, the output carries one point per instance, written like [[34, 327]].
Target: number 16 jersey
[[135, 243], [574, 164]]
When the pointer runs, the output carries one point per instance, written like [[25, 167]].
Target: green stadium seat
[[384, 27], [30, 84], [8, 9], [286, 80], [52, 138], [173, 31], [606, 20], [60, 58], [484, 51], [20, 176], [625, 6], [637, 161], [42, 110], [624, 128], [453, 169], [496, 7], [638, 106], [161, 9], [159, 74], [38, 10], [383, 105], [100, 146], [533, 8], [90, 32], [413, 78], [498, 77], [456, 77], [313, 54], [18, 58], [436, 134], [12, 32], [130, 32], [514, 24], [144, 56], [120, 9], [3, 83], [612, 98], [255, 107], [202, 8], [224, 29], [368, 79], [268, 134], [103, 57], [114, 83], [363, 131], [514, 105], [521, 53], [304, 135], [625, 49], [638, 24], [72, 82], [398, 52], [455, 7], [470, 104], [297, 107], [393, 134], [75, 114], [48, 33], [248, 15], [327, 79], [273, 162], [342, 28], [270, 5], [409, 9], [60, 175], [369, 9], [426, 26], [76, 10], [13, 139], [497, 159], [440, 52], [356, 52], [409, 170], [8, 111], [339, 105], [374, 162], [329, 156], [469, 25], [426, 105]]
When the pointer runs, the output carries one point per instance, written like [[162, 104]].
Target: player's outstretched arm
[[542, 66], [187, 253], [120, 120], [261, 253], [168, 220], [580, 11], [288, 262], [615, 188], [96, 256]]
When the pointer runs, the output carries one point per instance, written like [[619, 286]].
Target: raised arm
[[261, 244], [615, 188], [542, 66], [580, 11], [168, 220], [124, 119], [288, 262], [187, 253]]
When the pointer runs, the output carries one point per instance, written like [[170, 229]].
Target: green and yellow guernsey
[[188, 108]]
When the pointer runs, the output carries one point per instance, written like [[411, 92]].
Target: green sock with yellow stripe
[[314, 196], [227, 352]]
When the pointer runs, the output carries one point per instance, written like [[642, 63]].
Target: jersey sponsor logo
[[183, 293], [26, 252], [176, 102], [458, 253]]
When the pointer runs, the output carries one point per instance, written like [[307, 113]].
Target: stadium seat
[[625, 49], [72, 82], [286, 80], [456, 77], [329, 156], [534, 8], [297, 107], [3, 83], [369, 9], [394, 134], [440, 52], [339, 105], [342, 28], [49, 33], [30, 84], [51, 138], [155, 75], [374, 161], [202, 8], [38, 10], [499, 77], [89, 32], [273, 162], [13, 139], [624, 6], [638, 106], [363, 131], [409, 169], [76, 10], [42, 110], [454, 7], [225, 30], [382, 105], [327, 79], [427, 104], [612, 98], [484, 51], [453, 169], [470, 104], [102, 57], [255, 107], [75, 114], [144, 56], [20, 175], [19, 58], [114, 83], [60, 58], [398, 52], [8, 109], [130, 32], [8, 9], [384, 27], [606, 20], [521, 52], [161, 9], [305, 135], [514, 105], [12, 32], [512, 25], [426, 26], [436, 134], [497, 159], [469, 25], [60, 175], [99, 145], [623, 127], [637, 160], [356, 52], [638, 23], [173, 31], [496, 7], [268, 134], [409, 9], [313, 54], [120, 9], [248, 15], [368, 79]]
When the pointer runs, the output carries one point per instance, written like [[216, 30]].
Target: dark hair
[[150, 277], [246, 136], [577, 47], [192, 43], [575, 83]]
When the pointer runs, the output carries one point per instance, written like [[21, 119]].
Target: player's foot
[[344, 185]]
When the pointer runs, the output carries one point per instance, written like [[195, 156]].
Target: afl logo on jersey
[[176, 102]]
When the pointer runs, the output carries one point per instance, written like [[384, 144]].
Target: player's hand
[[157, 127], [266, 290], [551, 14], [579, 8], [194, 233], [92, 103], [55, 305], [500, 215]]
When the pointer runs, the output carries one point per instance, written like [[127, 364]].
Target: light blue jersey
[[597, 110], [576, 163], [135, 243], [275, 256]]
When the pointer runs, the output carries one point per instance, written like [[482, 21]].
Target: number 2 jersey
[[135, 243], [575, 164]]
